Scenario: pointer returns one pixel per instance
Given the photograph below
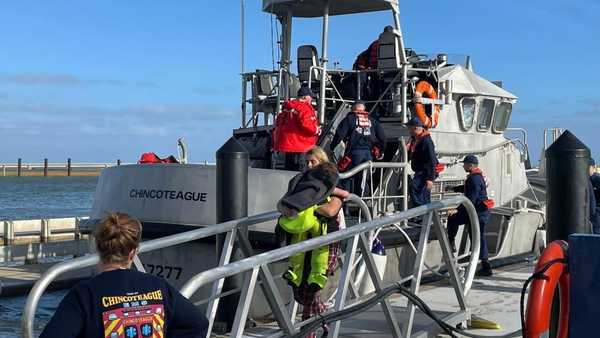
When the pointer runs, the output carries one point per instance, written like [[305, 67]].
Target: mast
[[324, 41]]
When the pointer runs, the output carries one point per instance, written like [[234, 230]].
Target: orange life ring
[[539, 305], [425, 89]]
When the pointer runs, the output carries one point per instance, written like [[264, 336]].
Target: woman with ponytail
[[121, 302]]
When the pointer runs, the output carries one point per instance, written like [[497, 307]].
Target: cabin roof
[[314, 8], [465, 81]]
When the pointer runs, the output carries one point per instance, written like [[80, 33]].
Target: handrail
[[201, 279], [480, 151], [371, 164], [90, 260]]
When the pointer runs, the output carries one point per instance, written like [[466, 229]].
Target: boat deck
[[494, 298]]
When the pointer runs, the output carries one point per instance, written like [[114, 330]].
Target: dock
[[493, 298], [17, 280]]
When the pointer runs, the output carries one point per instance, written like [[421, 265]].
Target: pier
[[46, 168]]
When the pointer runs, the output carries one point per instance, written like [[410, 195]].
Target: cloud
[[68, 80], [41, 79], [135, 120]]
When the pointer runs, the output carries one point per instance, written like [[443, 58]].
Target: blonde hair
[[117, 236], [319, 153]]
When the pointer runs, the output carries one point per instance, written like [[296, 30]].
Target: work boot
[[485, 270]]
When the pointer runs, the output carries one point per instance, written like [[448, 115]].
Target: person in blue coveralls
[[364, 139], [475, 189], [120, 302], [594, 197], [423, 161]]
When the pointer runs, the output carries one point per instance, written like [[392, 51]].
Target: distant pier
[[46, 168]]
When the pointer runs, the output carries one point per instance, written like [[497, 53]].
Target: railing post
[[19, 167], [232, 203], [45, 167], [45, 231], [9, 234], [68, 167]]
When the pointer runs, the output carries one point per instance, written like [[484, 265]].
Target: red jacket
[[368, 58], [296, 127]]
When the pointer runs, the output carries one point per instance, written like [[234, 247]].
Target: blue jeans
[[461, 217]]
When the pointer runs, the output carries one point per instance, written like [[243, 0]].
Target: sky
[[97, 81]]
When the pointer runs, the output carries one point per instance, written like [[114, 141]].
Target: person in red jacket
[[296, 129]]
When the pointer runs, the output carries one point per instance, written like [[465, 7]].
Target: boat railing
[[256, 267], [357, 236]]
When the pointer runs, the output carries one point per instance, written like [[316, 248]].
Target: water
[[45, 197], [12, 308], [34, 198]]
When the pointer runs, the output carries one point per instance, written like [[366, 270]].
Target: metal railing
[[90, 260], [13, 229], [258, 263], [356, 239]]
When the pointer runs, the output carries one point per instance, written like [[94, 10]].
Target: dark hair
[[117, 236]]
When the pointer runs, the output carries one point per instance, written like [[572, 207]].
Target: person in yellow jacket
[[311, 208]]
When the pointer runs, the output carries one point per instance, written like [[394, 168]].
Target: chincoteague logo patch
[[133, 316], [159, 194]]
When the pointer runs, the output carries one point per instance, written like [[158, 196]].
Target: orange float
[[425, 89]]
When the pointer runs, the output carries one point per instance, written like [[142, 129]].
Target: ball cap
[[305, 91], [414, 122], [471, 159]]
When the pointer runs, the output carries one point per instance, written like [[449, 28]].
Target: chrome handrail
[[254, 263], [90, 260]]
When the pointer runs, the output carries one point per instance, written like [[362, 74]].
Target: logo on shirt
[[135, 316]]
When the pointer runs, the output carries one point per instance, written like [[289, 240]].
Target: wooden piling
[[19, 167], [45, 167], [68, 167], [119, 162]]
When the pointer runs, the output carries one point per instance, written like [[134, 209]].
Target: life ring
[[539, 305], [425, 89]]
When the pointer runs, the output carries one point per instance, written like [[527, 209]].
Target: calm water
[[34, 198], [49, 197]]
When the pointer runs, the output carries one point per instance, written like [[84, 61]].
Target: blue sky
[[101, 80]]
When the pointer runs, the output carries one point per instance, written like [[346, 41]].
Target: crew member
[[120, 302], [423, 161], [476, 191], [594, 187], [296, 129], [367, 59], [364, 139]]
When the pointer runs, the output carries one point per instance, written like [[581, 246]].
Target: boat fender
[[552, 271], [425, 89]]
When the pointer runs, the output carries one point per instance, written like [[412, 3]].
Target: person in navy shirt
[[364, 141], [120, 302], [475, 189], [594, 186], [423, 161]]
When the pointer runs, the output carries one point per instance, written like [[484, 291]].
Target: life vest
[[550, 271], [304, 226], [487, 202], [412, 142], [425, 89], [373, 52]]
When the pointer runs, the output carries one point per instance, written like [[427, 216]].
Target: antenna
[[242, 28]]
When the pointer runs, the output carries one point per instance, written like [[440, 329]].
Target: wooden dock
[[19, 279]]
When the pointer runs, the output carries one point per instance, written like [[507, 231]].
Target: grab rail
[[258, 262], [90, 260], [354, 234]]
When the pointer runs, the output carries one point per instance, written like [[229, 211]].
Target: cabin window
[[467, 111], [502, 116], [486, 111]]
